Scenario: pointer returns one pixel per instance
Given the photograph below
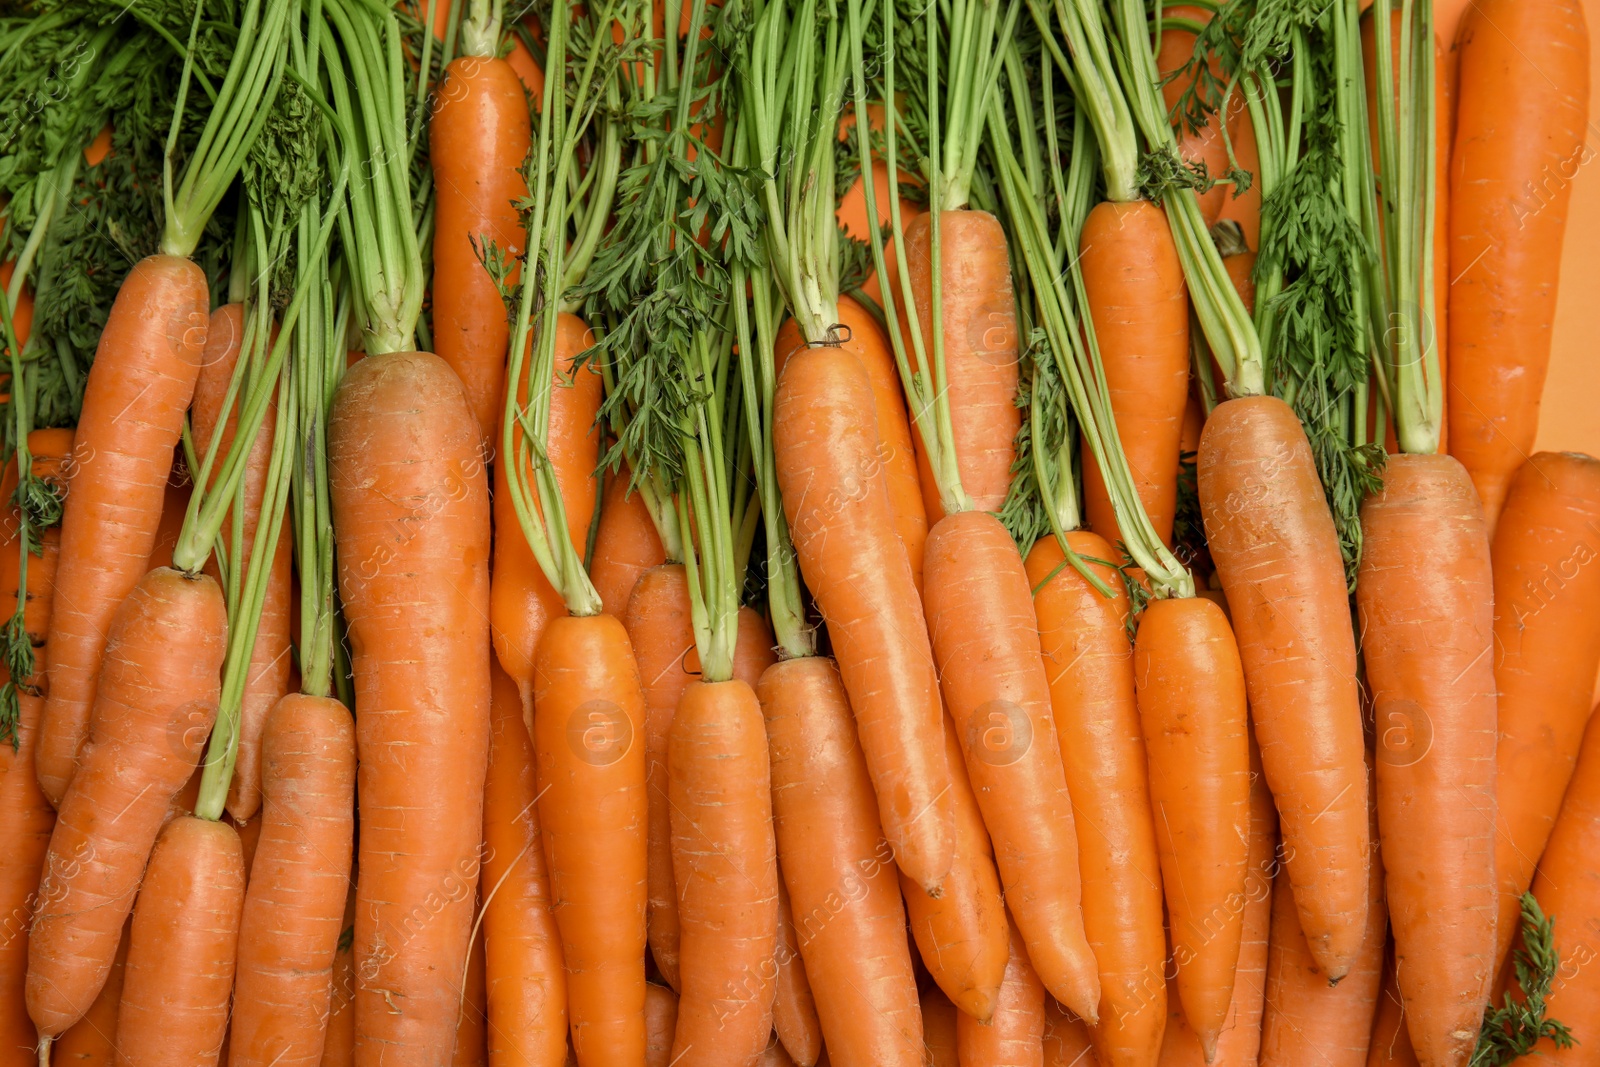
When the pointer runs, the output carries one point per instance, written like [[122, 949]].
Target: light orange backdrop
[[1570, 417]]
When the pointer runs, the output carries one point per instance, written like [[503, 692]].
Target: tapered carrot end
[[981, 1004], [1208, 1044], [44, 1051]]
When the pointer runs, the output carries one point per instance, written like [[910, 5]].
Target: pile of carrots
[[793, 532]]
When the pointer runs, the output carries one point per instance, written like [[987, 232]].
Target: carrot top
[[1514, 1028]]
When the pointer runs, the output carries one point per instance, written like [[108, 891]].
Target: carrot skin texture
[[836, 500], [411, 516], [662, 634], [794, 1007], [181, 948], [268, 677], [339, 1035], [1015, 1036], [29, 819], [588, 722], [1547, 646], [1521, 117], [660, 1021], [626, 544], [1089, 662], [1426, 620], [480, 131], [980, 347], [294, 903], [521, 599], [92, 1040], [1140, 308], [154, 705], [838, 870], [986, 641], [1273, 542], [472, 1018], [149, 354], [526, 981], [1390, 1045], [1568, 887], [1191, 702], [1066, 1039], [961, 935], [724, 859]]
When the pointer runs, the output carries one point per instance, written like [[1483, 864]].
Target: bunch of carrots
[[788, 532]]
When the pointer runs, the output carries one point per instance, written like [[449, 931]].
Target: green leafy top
[[1516, 1027]]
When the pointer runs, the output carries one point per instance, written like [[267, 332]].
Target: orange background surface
[[1570, 416]]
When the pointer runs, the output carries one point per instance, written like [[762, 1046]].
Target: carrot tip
[[1208, 1044], [44, 1051]]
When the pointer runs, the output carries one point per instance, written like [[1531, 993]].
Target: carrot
[[588, 718], [794, 1007], [156, 698], [521, 599], [25, 830], [625, 545], [268, 676], [479, 134], [980, 347], [339, 1043], [472, 1038], [1307, 1020], [774, 1055], [92, 1040], [526, 980], [1390, 1045], [1015, 1036], [181, 947], [939, 1029], [1423, 595], [1190, 691], [839, 874], [1140, 308], [896, 452], [660, 1020], [836, 500], [411, 516], [1547, 647], [1568, 888], [1521, 118], [1066, 1039], [961, 934], [658, 623], [1273, 542], [149, 354], [724, 860], [1090, 667], [1205, 145], [294, 904]]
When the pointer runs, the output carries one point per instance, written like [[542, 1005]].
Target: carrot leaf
[[1514, 1028]]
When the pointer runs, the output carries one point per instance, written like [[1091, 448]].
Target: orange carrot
[[521, 600], [660, 1020], [294, 904], [980, 347], [1090, 667], [836, 499], [181, 948], [1140, 308], [339, 1043], [1568, 888], [658, 622], [268, 676], [1191, 702], [625, 545], [1273, 541], [588, 720], [1521, 121], [1427, 630], [961, 934], [1390, 1045], [479, 134], [1547, 646], [1014, 1037], [154, 705], [839, 874], [526, 980], [724, 860], [472, 1037], [92, 1040], [411, 515], [1066, 1039], [794, 1007], [149, 355]]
